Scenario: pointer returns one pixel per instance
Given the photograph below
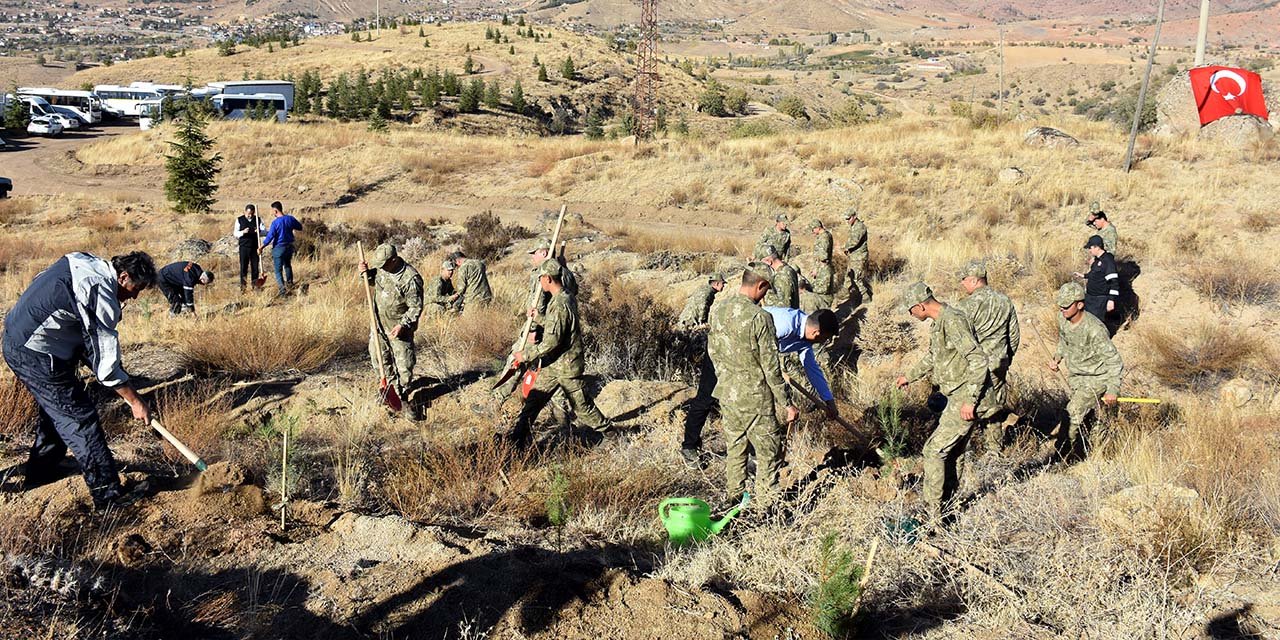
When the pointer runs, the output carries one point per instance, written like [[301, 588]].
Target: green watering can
[[689, 519]]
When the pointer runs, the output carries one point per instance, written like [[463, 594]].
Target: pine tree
[[355, 36], [566, 68], [449, 84], [595, 125], [377, 123], [517, 97], [505, 20], [542, 73], [270, 48], [469, 100], [192, 169], [468, 67], [488, 33], [421, 33], [511, 50], [536, 62], [426, 44], [17, 115], [493, 95], [521, 21]]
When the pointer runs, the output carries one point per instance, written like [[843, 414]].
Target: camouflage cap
[[816, 224], [761, 270], [1095, 207], [382, 254], [549, 268], [1069, 293], [448, 265], [915, 294], [715, 277], [850, 213], [765, 250], [781, 217], [541, 244], [975, 268]]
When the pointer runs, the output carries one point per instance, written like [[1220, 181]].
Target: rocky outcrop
[[1176, 114], [1238, 132], [1048, 137]]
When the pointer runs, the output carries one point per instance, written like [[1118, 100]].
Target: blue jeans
[[282, 256]]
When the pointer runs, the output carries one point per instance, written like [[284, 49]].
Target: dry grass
[[198, 419], [648, 239], [18, 411], [1237, 279], [1200, 356], [260, 342], [466, 484]]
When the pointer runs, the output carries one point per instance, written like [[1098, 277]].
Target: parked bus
[[248, 87], [150, 113], [81, 104], [123, 102], [243, 107], [162, 89]]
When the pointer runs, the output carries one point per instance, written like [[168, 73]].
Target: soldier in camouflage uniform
[[822, 284], [697, 309], [398, 300], [473, 286], [957, 366], [750, 388], [1093, 364], [440, 296], [568, 280], [559, 355], [995, 325], [821, 241], [855, 248], [1097, 220], [779, 237], [785, 287]]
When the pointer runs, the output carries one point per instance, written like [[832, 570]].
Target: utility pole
[[1203, 34], [378, 13], [646, 90], [1000, 114], [1142, 94]]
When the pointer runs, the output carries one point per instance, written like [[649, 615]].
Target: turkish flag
[[1224, 91]]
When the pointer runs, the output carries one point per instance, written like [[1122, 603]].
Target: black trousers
[[700, 406], [68, 420], [1097, 305], [249, 264], [173, 295]]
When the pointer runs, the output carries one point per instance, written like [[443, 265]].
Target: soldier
[[821, 241], [398, 301], [568, 279], [995, 326], [1098, 221], [440, 294], [696, 310], [779, 237], [473, 288], [822, 284], [750, 388], [1092, 361], [1102, 286], [558, 355], [958, 368], [785, 287], [855, 248]]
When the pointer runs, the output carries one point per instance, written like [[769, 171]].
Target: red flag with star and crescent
[[1224, 91]]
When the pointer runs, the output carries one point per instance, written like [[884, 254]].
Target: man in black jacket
[[249, 231], [178, 284], [1102, 283]]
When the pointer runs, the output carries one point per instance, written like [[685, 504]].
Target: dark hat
[[1094, 241]]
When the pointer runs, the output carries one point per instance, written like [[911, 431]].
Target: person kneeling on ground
[[178, 282], [67, 316], [558, 358]]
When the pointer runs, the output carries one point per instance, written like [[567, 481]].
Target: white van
[[38, 108], [149, 114], [78, 104]]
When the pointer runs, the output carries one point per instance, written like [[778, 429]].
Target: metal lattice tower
[[646, 90]]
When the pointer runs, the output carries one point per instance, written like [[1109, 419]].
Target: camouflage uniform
[[822, 243], [398, 300], [780, 240], [744, 350], [1093, 364], [785, 291], [958, 368], [559, 353], [698, 308], [1108, 233], [856, 249], [473, 287], [439, 292], [568, 281], [823, 287], [995, 325]]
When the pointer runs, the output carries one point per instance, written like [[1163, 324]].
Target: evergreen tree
[[469, 100], [493, 95], [511, 50], [536, 62], [377, 122], [225, 48], [542, 73], [517, 97], [521, 21], [426, 44], [468, 67], [449, 84], [595, 125], [505, 20], [682, 125], [270, 49], [192, 168], [421, 33], [566, 68], [40, 59], [17, 115], [660, 119], [488, 33], [355, 36]]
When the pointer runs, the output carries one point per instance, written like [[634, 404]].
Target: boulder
[[1236, 392], [191, 249], [1048, 137], [1176, 112], [1011, 175], [1237, 132]]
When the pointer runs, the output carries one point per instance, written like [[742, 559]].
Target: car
[[44, 126], [67, 122], [6, 185]]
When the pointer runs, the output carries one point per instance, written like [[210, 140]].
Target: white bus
[[162, 89], [242, 106], [124, 102], [81, 104], [150, 113], [246, 87]]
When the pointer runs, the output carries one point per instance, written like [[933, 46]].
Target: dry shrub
[[1258, 222], [104, 222], [885, 332], [631, 335], [13, 210], [18, 410], [272, 343], [549, 156], [431, 169], [646, 240], [463, 485], [615, 498], [1234, 279], [693, 194], [1201, 356], [17, 250], [882, 263], [344, 237], [487, 238]]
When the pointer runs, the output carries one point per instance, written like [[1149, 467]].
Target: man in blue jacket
[[280, 239], [67, 316]]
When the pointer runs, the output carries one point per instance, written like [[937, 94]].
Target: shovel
[[386, 392], [182, 448]]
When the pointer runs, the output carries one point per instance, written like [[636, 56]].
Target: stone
[[1176, 112], [1236, 392], [1048, 137], [192, 249], [1011, 175], [1236, 133]]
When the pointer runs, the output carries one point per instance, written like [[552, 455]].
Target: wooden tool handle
[[182, 448]]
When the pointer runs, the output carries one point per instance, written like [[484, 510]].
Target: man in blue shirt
[[797, 333], [280, 239]]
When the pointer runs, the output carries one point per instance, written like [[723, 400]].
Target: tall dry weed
[[1235, 279], [1200, 356], [18, 411], [466, 484]]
